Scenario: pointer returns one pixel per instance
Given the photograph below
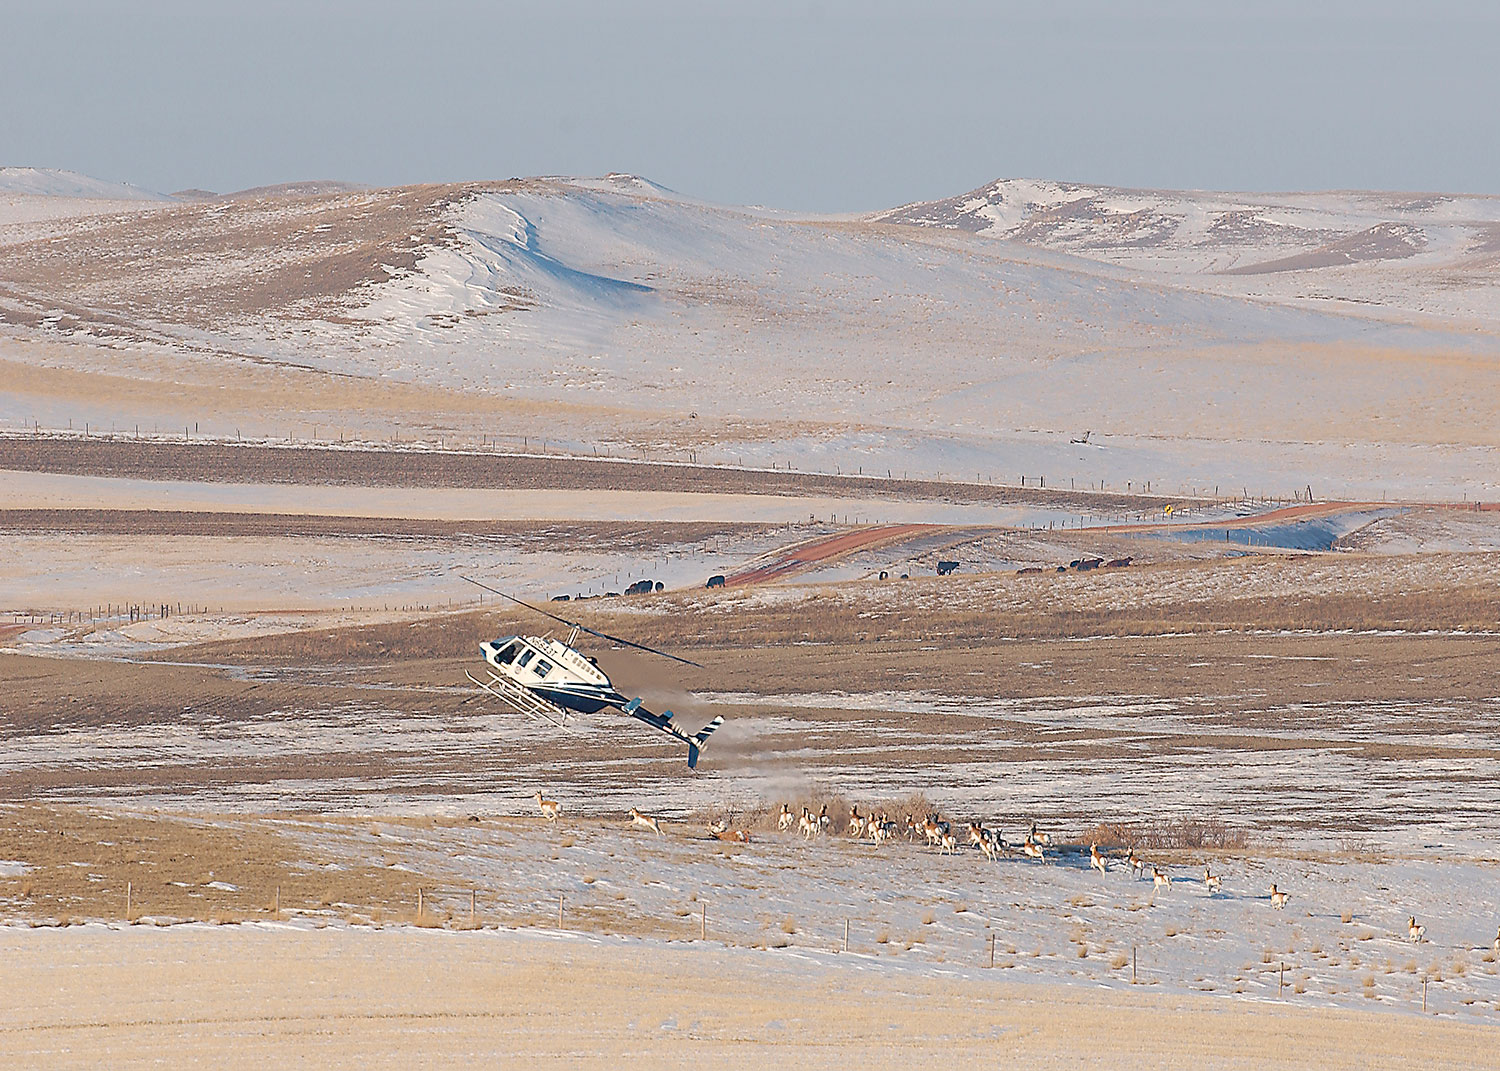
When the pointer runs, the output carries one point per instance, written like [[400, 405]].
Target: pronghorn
[[1040, 838], [1497, 940], [883, 831], [1097, 861], [911, 828], [1413, 930], [1278, 898], [733, 836], [977, 834], [949, 843], [550, 808], [785, 819], [856, 822], [1033, 850], [807, 825], [1136, 864], [1211, 880], [990, 844], [824, 821], [1160, 880], [645, 821]]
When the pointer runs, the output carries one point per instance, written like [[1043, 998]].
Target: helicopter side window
[[541, 669], [525, 657]]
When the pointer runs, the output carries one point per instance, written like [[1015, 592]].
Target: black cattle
[[944, 568], [715, 581], [562, 598], [640, 587]]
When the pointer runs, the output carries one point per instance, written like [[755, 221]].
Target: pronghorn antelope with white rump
[[1160, 880], [1032, 850], [785, 819], [1211, 880], [550, 808], [645, 821], [1097, 861], [1415, 932], [1279, 898]]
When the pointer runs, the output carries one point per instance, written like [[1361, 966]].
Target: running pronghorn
[[1279, 898], [550, 808], [856, 822], [1040, 838], [949, 843], [883, 831], [785, 819], [991, 845], [807, 825], [1497, 940], [935, 830], [911, 828], [1097, 861], [1415, 932], [1136, 864], [1211, 880], [1160, 880], [977, 835], [1032, 850], [645, 821], [825, 821]]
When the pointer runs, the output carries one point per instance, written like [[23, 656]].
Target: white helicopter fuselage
[[553, 670]]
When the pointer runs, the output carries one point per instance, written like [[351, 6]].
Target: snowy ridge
[[49, 182]]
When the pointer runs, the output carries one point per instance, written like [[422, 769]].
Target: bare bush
[[1165, 834]]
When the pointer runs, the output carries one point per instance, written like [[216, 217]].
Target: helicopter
[[550, 680]]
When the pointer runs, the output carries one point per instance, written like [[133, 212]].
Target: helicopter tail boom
[[695, 741]]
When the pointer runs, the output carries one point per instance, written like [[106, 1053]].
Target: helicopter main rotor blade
[[580, 627]]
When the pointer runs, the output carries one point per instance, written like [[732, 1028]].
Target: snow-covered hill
[[980, 336], [1334, 246], [48, 182]]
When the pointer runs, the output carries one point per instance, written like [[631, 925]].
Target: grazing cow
[[944, 568], [1117, 563], [715, 581]]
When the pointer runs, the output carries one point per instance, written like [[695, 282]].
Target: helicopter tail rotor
[[700, 739]]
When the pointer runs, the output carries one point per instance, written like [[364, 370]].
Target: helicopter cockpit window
[[507, 654], [541, 669], [525, 657]]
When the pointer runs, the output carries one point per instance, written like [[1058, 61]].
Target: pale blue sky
[[840, 106]]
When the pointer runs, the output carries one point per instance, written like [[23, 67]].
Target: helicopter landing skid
[[523, 700]]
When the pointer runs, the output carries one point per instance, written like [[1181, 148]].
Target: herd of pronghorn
[[878, 828]]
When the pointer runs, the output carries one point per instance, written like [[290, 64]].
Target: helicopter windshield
[[506, 654]]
